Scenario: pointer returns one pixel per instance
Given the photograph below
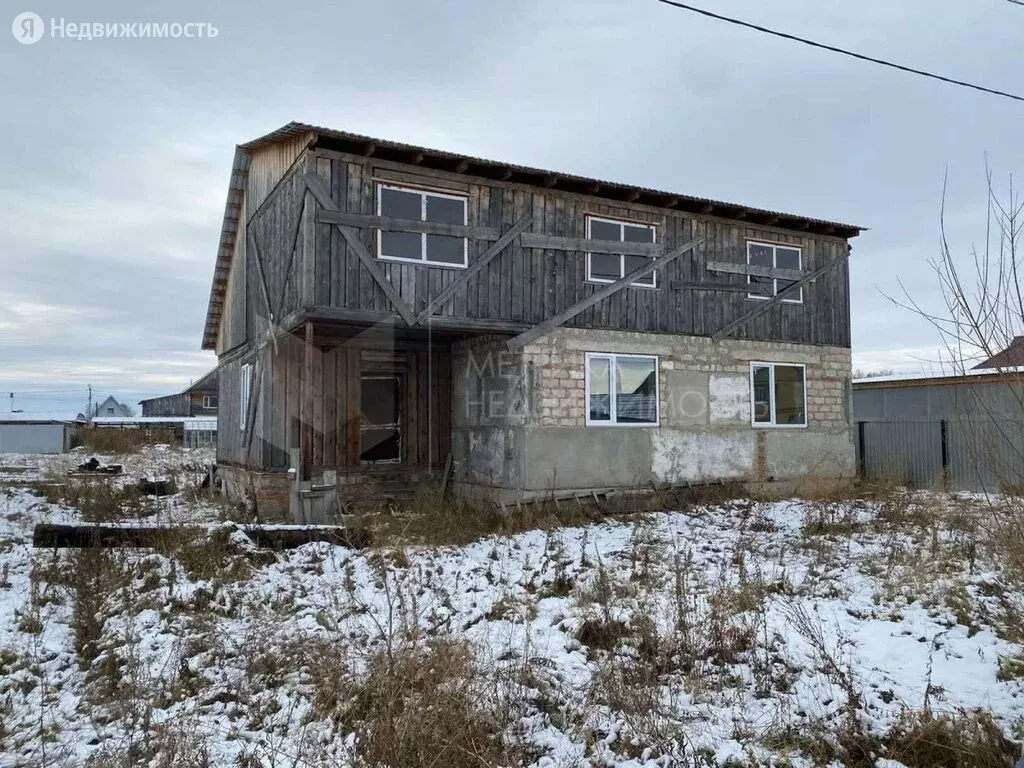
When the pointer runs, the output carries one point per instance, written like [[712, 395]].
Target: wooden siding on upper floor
[[308, 263], [268, 165]]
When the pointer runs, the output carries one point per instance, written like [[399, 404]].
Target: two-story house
[[198, 399], [384, 308]]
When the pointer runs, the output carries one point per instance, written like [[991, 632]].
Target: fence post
[[945, 454], [862, 462]]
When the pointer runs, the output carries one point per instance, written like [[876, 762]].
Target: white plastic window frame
[[771, 395], [612, 421], [424, 194], [622, 224]]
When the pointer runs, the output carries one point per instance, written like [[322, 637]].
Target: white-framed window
[[209, 401], [778, 395], [422, 205], [609, 267], [622, 390], [776, 256], [243, 393]]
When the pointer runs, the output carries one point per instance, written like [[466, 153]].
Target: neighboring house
[[111, 408], [200, 399], [964, 431], [1011, 357], [35, 435], [378, 307]]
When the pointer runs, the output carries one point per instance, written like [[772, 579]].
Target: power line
[[843, 51]]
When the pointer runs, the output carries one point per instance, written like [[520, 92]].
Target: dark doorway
[[380, 437]]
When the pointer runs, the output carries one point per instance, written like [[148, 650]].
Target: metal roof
[[358, 144]]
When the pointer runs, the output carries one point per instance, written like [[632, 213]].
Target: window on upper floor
[[422, 205], [622, 390], [778, 395], [209, 401], [777, 257], [609, 267]]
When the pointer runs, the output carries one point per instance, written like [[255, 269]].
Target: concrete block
[[794, 453], [684, 397], [586, 457], [729, 399]]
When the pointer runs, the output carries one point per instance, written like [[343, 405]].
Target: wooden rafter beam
[[389, 224], [755, 269], [322, 194], [503, 242], [684, 285], [556, 243], [764, 306], [518, 342]]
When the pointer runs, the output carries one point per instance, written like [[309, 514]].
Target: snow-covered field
[[748, 633]]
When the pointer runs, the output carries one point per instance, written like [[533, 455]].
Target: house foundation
[[520, 431]]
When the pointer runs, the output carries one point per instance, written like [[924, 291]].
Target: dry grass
[[99, 500], [966, 739], [430, 520], [421, 706], [123, 441]]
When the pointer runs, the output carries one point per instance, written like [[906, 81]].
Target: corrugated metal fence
[[961, 454]]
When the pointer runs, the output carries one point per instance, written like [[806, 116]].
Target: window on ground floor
[[778, 395], [622, 390]]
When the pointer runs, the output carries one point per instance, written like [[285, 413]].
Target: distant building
[[35, 435], [200, 399], [108, 408], [1011, 357]]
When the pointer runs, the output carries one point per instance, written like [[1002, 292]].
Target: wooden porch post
[[306, 410]]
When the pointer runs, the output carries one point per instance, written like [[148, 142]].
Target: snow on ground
[[728, 634]]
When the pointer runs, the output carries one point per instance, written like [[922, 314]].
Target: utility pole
[[88, 412], [12, 402]]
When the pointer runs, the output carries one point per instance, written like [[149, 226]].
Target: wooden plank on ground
[[94, 535]]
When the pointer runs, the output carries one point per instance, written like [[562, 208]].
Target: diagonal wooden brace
[[497, 247], [542, 328], [322, 194], [764, 306]]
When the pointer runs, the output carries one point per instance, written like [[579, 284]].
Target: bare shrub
[[99, 500], [427, 706], [93, 575], [965, 739]]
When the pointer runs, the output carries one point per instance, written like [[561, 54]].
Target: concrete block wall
[[543, 444]]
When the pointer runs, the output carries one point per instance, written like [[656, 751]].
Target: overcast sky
[[115, 154]]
